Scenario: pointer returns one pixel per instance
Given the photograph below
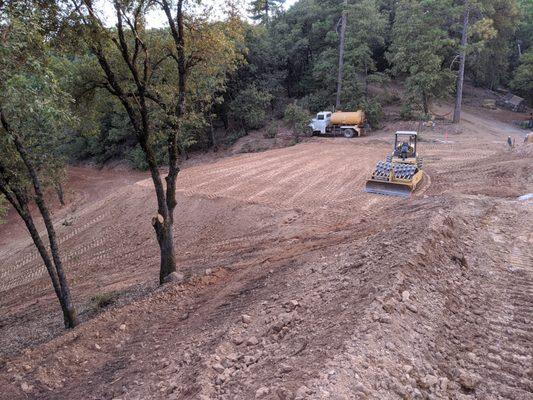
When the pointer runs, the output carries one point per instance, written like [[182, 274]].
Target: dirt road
[[299, 285]]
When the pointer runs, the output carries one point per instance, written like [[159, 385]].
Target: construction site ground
[[298, 285]]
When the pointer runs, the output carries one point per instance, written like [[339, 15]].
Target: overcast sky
[[156, 19]]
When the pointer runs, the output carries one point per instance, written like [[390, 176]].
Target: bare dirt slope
[[300, 286]]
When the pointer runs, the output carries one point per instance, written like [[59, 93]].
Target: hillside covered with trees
[[245, 65]]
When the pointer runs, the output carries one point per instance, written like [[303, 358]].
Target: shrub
[[297, 118], [137, 159], [252, 147], [271, 131], [249, 107], [103, 300], [234, 136], [3, 208], [373, 112], [406, 112]]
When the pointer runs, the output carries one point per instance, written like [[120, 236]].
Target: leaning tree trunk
[[69, 311], [461, 75], [57, 273]]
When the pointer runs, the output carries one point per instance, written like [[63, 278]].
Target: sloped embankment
[[413, 312]]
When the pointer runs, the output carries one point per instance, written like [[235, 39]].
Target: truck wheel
[[348, 133]]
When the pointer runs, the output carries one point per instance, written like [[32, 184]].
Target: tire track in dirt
[[508, 371]]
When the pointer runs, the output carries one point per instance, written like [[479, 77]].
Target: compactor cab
[[401, 172], [405, 144]]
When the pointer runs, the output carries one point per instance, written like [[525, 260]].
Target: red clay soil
[[298, 284]]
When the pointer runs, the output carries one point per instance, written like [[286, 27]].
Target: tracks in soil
[[508, 342], [295, 224]]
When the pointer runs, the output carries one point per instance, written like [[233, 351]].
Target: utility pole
[[340, 76], [461, 76]]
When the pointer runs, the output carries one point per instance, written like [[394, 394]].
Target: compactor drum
[[401, 172]]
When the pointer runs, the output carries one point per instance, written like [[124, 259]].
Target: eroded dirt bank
[[300, 286]]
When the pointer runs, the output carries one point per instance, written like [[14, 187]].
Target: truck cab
[[321, 123]]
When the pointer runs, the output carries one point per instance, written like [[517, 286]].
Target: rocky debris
[[218, 368], [468, 380], [291, 305], [237, 340], [302, 392], [26, 387], [428, 381], [252, 341], [411, 307], [174, 277], [262, 392], [284, 394], [284, 368]]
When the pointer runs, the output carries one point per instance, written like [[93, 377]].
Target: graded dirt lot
[[299, 285]]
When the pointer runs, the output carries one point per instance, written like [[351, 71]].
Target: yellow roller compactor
[[401, 172]]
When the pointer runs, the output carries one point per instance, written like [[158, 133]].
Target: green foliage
[[406, 112], [103, 300], [522, 81], [262, 10], [490, 49], [373, 111], [297, 118], [271, 131], [136, 158], [33, 102], [234, 136], [3, 208], [525, 27], [420, 45], [250, 108]]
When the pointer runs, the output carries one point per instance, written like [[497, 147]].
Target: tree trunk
[[425, 104], [60, 284], [69, 311], [461, 75], [165, 240], [366, 81], [340, 75], [60, 194], [139, 115], [213, 136]]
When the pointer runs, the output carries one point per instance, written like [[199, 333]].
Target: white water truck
[[348, 124]]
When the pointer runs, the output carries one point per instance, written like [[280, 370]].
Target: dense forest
[[246, 65]]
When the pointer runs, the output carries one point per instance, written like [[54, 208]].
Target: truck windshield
[[320, 116]]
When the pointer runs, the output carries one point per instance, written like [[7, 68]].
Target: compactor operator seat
[[404, 150]]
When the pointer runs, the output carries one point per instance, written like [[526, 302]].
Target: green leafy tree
[[250, 107], [298, 119], [151, 74], [524, 33], [34, 115], [522, 81], [3, 208], [420, 46], [491, 49]]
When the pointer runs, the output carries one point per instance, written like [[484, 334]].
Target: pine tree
[[262, 10]]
